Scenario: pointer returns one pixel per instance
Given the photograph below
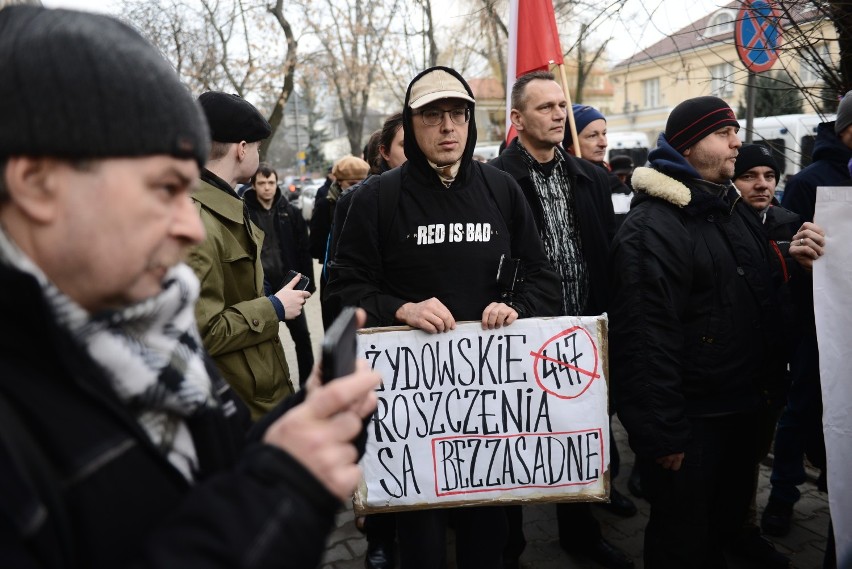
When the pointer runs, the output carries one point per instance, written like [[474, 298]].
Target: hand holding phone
[[303, 283], [293, 298]]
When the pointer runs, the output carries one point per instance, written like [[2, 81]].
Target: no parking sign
[[758, 35]]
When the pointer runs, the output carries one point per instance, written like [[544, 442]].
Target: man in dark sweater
[[571, 203], [428, 258]]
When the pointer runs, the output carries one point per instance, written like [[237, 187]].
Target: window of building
[[810, 72], [722, 80], [651, 93], [721, 23]]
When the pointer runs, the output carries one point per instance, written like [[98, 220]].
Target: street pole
[[296, 127], [750, 95]]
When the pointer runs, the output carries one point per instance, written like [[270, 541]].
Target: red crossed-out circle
[[751, 13], [566, 392]]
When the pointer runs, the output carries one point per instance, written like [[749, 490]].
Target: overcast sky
[[642, 23]]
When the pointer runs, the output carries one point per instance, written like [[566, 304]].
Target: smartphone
[[303, 282], [339, 346]]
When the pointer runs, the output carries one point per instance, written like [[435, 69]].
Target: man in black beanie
[[120, 445], [691, 354], [756, 174], [238, 322]]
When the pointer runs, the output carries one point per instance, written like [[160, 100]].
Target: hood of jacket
[[672, 179], [828, 146], [664, 158], [416, 159], [250, 197]]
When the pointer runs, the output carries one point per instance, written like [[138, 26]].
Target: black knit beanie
[[79, 85], [751, 155], [232, 118], [694, 119]]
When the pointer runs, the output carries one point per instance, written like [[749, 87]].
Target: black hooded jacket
[[441, 242], [830, 167], [694, 307]]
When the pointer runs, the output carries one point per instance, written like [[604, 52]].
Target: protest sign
[[474, 416], [833, 315]]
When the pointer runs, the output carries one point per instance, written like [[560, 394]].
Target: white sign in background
[[833, 313], [482, 416]]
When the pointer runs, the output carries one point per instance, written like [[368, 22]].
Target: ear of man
[[34, 186], [515, 117]]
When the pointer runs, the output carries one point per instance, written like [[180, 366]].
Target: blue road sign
[[758, 34]]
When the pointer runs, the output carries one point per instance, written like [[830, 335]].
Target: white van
[[789, 137], [487, 151], [633, 144]]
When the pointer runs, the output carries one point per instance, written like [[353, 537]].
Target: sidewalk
[[805, 543]]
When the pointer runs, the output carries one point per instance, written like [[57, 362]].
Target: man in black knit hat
[[120, 444], [691, 319]]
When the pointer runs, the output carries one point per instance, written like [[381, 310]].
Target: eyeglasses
[[434, 117]]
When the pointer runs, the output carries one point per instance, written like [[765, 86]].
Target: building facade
[[701, 59]]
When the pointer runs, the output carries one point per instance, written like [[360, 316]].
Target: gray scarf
[[151, 352]]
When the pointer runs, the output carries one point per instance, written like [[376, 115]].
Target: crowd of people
[[148, 415]]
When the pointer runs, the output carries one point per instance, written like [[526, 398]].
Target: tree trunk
[[289, 66]]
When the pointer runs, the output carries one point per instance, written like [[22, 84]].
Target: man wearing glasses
[[421, 246]]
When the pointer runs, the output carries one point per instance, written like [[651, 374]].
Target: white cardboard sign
[[473, 416], [833, 313]]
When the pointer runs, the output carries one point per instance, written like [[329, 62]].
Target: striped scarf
[[151, 352], [560, 231]]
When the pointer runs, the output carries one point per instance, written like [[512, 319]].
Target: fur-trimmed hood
[[658, 185], [697, 198]]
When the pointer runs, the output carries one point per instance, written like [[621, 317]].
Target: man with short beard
[[692, 285]]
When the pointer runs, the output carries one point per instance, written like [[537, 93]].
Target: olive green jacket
[[238, 324]]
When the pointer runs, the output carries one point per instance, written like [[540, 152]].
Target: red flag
[[533, 44]]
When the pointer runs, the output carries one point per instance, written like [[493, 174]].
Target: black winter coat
[[293, 242], [81, 484], [694, 311], [593, 203]]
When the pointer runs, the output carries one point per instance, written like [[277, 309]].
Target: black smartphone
[[339, 346], [303, 282]]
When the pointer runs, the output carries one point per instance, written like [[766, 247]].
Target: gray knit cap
[[81, 85], [844, 114]]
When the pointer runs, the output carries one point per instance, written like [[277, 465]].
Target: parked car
[[305, 202]]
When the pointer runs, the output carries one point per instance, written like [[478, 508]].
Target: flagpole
[[572, 126]]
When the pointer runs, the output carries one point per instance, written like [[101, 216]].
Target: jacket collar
[[212, 197], [250, 197], [514, 164], [703, 196]]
